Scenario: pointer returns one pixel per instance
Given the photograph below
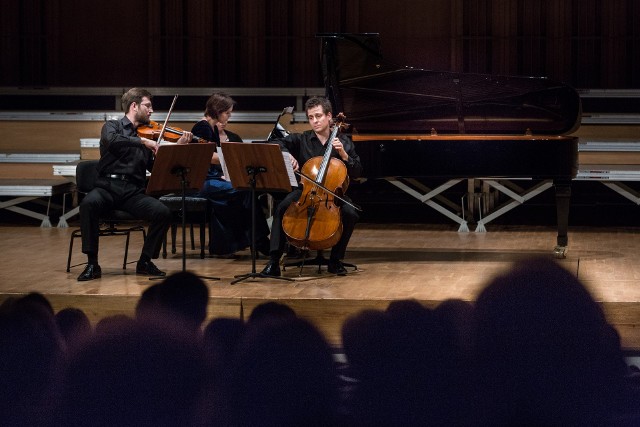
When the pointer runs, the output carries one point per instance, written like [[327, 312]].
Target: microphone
[[279, 131]]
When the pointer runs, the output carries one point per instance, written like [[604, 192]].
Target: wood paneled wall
[[272, 43]]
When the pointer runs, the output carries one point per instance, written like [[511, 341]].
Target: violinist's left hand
[[337, 145], [185, 138]]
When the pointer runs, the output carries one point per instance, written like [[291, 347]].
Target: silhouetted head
[[270, 310], [182, 296], [544, 348], [134, 373], [284, 375], [31, 350], [74, 326]]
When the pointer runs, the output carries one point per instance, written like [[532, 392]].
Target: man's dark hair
[[317, 100], [134, 95]]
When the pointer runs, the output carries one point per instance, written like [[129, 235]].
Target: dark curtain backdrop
[[272, 43]]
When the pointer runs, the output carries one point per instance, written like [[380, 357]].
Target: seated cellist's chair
[[112, 223], [319, 260]]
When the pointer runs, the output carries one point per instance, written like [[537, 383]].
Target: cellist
[[302, 147]]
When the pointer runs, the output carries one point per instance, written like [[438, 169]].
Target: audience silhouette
[[534, 348], [31, 351], [283, 375], [183, 296], [74, 325], [270, 310], [404, 371], [545, 354], [366, 338], [137, 373]]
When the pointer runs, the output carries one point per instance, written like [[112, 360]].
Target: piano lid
[[380, 97]]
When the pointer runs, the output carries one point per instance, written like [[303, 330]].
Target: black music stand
[[255, 166], [179, 167]]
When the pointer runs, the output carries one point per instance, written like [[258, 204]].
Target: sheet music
[[286, 158], [287, 163], [225, 171]]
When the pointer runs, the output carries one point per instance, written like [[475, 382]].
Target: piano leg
[[563, 199]]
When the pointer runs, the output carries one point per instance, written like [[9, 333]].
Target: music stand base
[[253, 172], [201, 277]]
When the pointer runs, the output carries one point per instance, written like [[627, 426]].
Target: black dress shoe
[[148, 268], [336, 267], [272, 269], [91, 271]]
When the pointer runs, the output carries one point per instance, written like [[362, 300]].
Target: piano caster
[[560, 252]]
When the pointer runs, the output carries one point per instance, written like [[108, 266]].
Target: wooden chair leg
[[203, 227], [126, 251], [174, 231], [74, 234], [164, 245]]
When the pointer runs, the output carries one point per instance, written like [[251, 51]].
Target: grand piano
[[409, 123]]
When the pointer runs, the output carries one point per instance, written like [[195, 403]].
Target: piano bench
[[198, 210]]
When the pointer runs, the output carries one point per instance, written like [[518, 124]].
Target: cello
[[314, 221]]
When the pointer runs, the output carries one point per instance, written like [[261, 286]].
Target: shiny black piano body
[[409, 122]]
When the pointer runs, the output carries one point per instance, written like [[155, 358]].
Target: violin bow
[[328, 191], [166, 120]]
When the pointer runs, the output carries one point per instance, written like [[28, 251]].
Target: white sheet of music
[[287, 163], [225, 171]]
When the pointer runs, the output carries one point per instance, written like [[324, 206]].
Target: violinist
[[231, 222], [124, 159], [302, 147]]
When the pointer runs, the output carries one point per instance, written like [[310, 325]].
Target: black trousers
[[111, 194], [349, 217]]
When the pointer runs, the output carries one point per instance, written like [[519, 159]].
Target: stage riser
[[426, 262], [327, 315]]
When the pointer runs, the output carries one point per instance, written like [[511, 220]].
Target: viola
[[171, 134], [314, 221]]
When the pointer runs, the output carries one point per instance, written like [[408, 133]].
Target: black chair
[[198, 210], [111, 222], [319, 260]]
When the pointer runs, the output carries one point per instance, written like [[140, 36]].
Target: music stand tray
[[255, 166], [179, 167], [172, 157]]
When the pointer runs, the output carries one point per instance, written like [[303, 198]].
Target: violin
[[314, 221], [171, 134]]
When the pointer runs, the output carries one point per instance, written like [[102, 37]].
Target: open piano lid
[[380, 97]]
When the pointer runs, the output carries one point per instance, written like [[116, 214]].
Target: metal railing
[[297, 95]]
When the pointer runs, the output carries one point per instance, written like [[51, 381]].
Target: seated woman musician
[[231, 221], [302, 147]]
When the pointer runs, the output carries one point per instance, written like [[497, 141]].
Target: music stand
[[179, 167], [255, 166]]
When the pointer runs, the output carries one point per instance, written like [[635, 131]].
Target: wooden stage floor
[[429, 263]]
